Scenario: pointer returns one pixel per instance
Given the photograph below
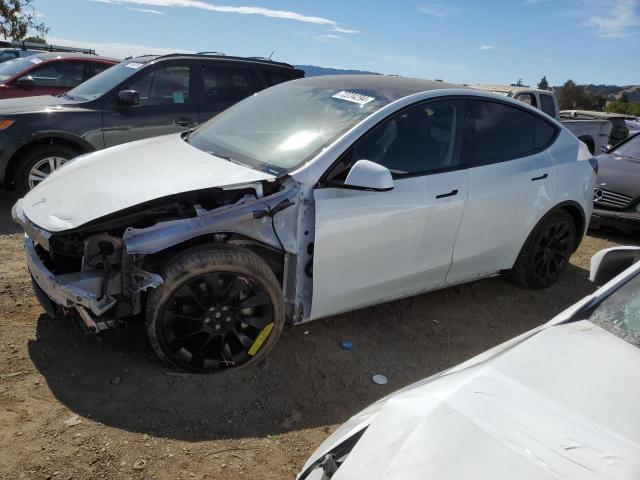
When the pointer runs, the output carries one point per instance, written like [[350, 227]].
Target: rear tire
[[545, 255], [39, 163], [219, 309]]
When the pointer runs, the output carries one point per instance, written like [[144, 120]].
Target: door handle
[[541, 177], [185, 122], [452, 193]]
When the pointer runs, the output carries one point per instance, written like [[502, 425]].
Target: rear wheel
[[39, 163], [219, 309], [546, 253]]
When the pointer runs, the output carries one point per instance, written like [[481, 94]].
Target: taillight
[[594, 164]]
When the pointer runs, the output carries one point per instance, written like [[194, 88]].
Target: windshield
[[12, 67], [630, 149], [103, 82], [619, 313], [280, 128]]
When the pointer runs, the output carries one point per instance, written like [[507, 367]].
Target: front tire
[[39, 163], [546, 252], [218, 309]]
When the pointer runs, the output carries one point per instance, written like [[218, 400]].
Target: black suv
[[138, 98]]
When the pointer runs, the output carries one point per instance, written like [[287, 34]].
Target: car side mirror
[[367, 175], [26, 82], [128, 98], [610, 262]]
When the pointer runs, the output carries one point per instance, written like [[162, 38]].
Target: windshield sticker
[[353, 97], [133, 65], [36, 60]]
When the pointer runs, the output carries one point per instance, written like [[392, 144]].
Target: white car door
[[512, 183], [371, 246]]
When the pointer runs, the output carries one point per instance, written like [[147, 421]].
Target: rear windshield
[[103, 82], [11, 68]]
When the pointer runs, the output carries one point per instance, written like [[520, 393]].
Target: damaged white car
[[311, 198], [558, 402]]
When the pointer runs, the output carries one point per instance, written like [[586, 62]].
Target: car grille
[[605, 198]]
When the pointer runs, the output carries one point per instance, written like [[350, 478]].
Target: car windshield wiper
[[65, 95]]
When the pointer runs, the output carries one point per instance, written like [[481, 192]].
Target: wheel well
[[273, 257], [578, 219], [23, 150], [588, 141]]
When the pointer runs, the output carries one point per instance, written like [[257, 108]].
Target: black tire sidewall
[[34, 156], [523, 272], [189, 265]]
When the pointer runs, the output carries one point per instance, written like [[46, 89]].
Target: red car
[[50, 73]]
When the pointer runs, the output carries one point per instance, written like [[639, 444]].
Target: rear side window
[[59, 74], [528, 98], [496, 132], [275, 77], [547, 105], [226, 84], [96, 68]]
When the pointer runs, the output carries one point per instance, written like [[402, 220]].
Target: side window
[[164, 86], [495, 132], [420, 139], [59, 74], [528, 98], [543, 133], [96, 68], [224, 84], [547, 105]]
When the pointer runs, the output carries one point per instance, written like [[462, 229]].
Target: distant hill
[[613, 92], [314, 71]]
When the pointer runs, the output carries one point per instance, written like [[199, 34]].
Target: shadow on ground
[[7, 225], [308, 381]]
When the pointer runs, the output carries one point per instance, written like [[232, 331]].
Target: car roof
[[509, 88], [391, 86], [210, 56], [46, 56]]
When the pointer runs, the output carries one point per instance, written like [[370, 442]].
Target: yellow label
[[260, 340]]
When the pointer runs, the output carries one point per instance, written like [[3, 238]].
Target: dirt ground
[[102, 407]]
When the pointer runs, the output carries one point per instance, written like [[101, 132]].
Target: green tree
[[574, 97], [598, 102], [17, 17], [543, 84], [624, 98], [35, 39]]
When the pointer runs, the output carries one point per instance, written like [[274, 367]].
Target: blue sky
[[464, 41]]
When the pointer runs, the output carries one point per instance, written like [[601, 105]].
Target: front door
[[52, 78], [167, 105], [371, 247]]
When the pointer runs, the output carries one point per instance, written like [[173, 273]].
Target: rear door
[[167, 104], [512, 183], [223, 84], [375, 246]]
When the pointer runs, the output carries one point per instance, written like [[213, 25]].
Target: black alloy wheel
[[217, 310]]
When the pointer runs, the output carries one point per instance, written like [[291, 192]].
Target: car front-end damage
[[103, 270]]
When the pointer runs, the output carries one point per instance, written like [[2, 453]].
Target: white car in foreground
[[558, 402], [311, 198]]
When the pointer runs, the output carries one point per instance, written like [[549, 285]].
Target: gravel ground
[[102, 407]]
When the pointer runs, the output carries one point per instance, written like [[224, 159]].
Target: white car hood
[[562, 404], [120, 177]]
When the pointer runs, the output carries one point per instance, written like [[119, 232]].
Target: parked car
[[48, 74], [619, 127], [616, 199], [595, 133], [311, 198], [558, 402], [12, 53], [139, 98]]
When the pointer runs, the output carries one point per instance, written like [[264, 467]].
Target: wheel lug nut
[[224, 309]]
